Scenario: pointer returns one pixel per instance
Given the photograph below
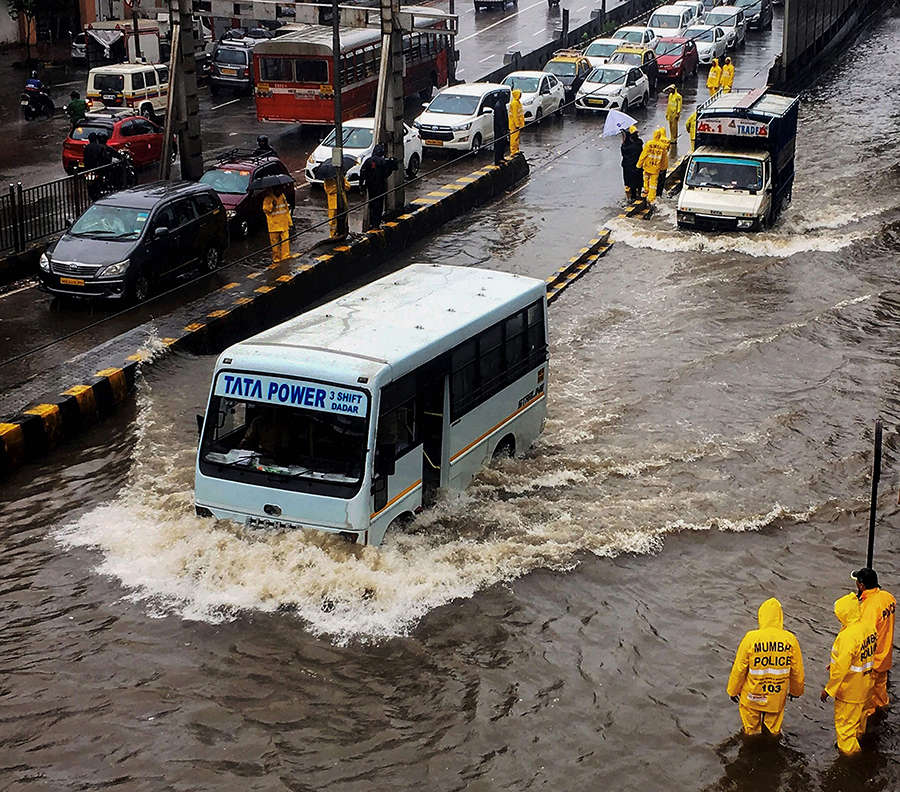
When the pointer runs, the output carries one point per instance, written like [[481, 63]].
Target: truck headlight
[[230, 214], [686, 218], [114, 270], [745, 222], [44, 262]]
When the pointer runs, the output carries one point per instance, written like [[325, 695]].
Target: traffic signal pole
[[389, 101], [337, 152]]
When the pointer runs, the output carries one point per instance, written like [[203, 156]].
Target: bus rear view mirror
[[199, 426], [385, 457]]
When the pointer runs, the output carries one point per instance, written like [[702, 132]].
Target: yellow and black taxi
[[571, 68], [640, 56]]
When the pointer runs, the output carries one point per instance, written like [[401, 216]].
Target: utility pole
[[138, 56], [187, 104], [337, 153], [389, 101]]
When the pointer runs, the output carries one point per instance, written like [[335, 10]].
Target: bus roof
[[399, 321]]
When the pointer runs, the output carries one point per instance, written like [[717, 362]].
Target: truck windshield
[[283, 446], [726, 173]]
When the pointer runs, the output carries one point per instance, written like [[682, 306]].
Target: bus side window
[[514, 331], [490, 355], [536, 340], [464, 378], [398, 423]]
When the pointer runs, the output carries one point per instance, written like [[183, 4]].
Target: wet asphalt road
[[569, 621]]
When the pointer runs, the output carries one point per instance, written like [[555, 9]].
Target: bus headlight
[[745, 222]]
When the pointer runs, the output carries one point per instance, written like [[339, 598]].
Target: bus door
[[434, 401]]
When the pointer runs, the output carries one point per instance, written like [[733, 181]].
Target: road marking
[[539, 33], [499, 22], [67, 84], [486, 59], [514, 44], [225, 104], [16, 291]]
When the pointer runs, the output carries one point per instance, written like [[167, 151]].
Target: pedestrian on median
[[673, 112], [850, 673], [727, 79], [76, 109], [373, 178], [279, 221], [714, 78], [767, 668], [691, 126], [516, 121], [654, 158], [632, 146], [501, 129], [878, 606]]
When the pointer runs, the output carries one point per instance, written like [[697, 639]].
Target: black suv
[[231, 65], [128, 243]]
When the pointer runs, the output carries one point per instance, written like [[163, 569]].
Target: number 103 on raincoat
[[768, 666]]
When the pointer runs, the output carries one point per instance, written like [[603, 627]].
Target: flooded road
[[570, 620]]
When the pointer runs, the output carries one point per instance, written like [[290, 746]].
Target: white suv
[[461, 117]]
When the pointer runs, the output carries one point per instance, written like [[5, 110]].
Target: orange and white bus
[[293, 72]]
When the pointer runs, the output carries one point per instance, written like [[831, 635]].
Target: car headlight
[[44, 262], [417, 125], [230, 214], [114, 270], [310, 161], [462, 127]]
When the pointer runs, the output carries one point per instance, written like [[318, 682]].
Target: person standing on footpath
[[373, 178], [632, 145], [714, 78], [501, 129], [767, 668], [516, 121], [877, 606], [850, 673], [278, 219]]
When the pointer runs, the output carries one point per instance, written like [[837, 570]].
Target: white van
[[144, 87], [670, 21], [461, 117], [349, 418]]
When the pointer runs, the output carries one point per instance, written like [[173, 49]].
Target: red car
[[124, 129], [677, 58]]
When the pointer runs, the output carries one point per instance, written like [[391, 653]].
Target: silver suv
[[231, 65]]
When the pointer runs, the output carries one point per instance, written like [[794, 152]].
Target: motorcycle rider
[[263, 148]]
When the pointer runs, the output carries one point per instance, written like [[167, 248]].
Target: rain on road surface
[[569, 621]]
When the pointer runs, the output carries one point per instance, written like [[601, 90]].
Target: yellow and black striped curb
[[578, 265], [239, 309]]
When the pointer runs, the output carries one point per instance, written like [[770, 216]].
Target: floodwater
[[569, 621]]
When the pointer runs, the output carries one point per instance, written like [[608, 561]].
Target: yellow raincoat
[[673, 113], [516, 121], [727, 79], [691, 126], [878, 606], [850, 672], [767, 667], [714, 78], [654, 158], [278, 219]]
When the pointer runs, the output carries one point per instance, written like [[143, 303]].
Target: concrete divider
[[106, 375]]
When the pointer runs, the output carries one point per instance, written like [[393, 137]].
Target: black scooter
[[35, 103]]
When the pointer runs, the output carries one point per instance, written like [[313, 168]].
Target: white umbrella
[[616, 121]]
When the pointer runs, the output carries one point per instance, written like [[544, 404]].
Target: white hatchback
[[542, 94], [636, 35], [614, 86], [599, 50], [359, 140], [461, 117], [710, 41]]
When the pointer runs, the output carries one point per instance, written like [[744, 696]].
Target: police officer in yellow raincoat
[[850, 673], [331, 193], [691, 126], [714, 78], [279, 221], [767, 668], [727, 78], [673, 111], [878, 606], [654, 158], [516, 121]]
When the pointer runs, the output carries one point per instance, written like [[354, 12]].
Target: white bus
[[351, 416]]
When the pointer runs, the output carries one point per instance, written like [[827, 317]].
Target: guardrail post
[[20, 217]]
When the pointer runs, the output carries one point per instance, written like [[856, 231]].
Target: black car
[[128, 243]]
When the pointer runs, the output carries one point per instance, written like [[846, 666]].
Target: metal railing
[[29, 214]]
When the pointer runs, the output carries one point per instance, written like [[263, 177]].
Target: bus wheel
[[506, 448]]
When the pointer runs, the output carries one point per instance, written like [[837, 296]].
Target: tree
[[27, 10]]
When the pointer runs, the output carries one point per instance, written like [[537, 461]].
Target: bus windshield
[[727, 173], [284, 446]]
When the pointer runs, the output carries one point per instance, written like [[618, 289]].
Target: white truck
[[741, 173]]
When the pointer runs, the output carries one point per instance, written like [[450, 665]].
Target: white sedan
[[731, 20], [614, 86], [695, 5], [636, 35], [359, 134], [542, 93], [710, 41]]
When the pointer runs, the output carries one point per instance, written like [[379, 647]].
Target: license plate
[[71, 281], [230, 72], [109, 97], [433, 142], [597, 102]]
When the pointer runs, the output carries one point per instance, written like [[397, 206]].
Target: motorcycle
[[119, 174], [36, 102]]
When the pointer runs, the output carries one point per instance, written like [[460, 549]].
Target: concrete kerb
[[239, 309]]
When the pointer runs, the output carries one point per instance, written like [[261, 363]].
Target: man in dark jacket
[[501, 128], [94, 153], [373, 178], [631, 173]]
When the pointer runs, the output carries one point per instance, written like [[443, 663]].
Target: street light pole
[[337, 153]]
